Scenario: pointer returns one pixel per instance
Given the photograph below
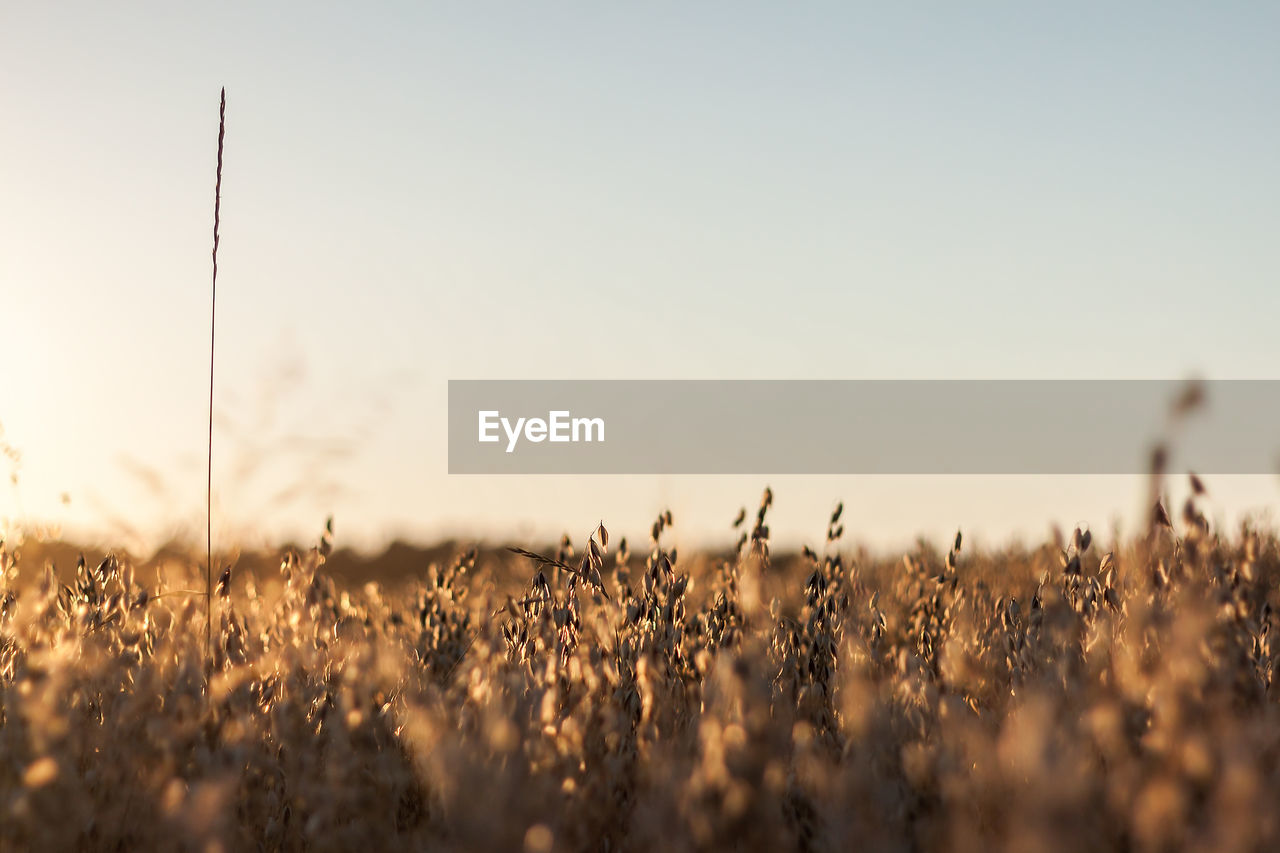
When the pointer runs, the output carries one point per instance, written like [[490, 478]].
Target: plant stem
[[213, 328]]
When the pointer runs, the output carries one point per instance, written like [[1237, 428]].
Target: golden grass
[[1055, 699]]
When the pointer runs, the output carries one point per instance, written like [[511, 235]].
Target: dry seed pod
[[1160, 516], [326, 538], [596, 581], [1191, 398], [1159, 457], [604, 535], [1197, 485], [741, 517]]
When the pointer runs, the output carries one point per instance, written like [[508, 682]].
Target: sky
[[421, 192]]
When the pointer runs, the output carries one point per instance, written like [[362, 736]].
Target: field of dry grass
[[611, 697]]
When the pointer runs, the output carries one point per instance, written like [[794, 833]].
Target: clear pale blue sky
[[421, 192]]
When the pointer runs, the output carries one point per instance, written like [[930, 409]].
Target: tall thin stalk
[[213, 329]]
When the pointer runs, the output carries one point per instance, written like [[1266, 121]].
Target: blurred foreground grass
[[1059, 698]]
